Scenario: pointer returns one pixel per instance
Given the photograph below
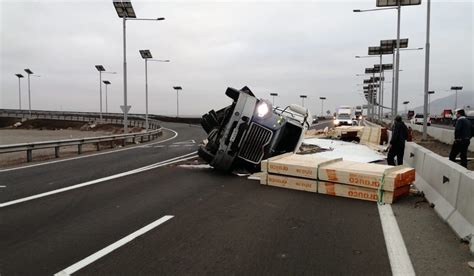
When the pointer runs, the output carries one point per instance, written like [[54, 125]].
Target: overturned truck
[[249, 130]]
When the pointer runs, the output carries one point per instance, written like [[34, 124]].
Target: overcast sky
[[287, 47]]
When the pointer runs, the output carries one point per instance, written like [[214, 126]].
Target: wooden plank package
[[365, 136], [294, 183], [375, 134], [356, 192], [289, 164], [367, 175]]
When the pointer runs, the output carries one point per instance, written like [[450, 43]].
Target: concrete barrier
[[443, 135], [449, 186], [444, 177], [462, 220], [414, 156]]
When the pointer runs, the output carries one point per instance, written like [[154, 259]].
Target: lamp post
[[274, 95], [429, 102], [406, 104], [107, 83], [125, 11], [322, 105], [177, 88], [388, 5], [456, 88], [19, 89], [29, 72], [101, 70], [302, 99], [146, 55]]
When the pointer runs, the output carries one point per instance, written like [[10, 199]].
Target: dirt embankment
[[439, 147], [48, 124], [14, 131]]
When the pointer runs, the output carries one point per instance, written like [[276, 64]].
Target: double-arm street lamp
[[274, 95], [19, 76], [322, 105], [107, 83], [125, 11], [388, 5], [177, 88], [146, 55], [101, 70], [302, 99]]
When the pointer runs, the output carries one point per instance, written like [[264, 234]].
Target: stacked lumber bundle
[[337, 177]]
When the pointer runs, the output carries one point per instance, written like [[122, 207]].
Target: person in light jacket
[[462, 138], [397, 142]]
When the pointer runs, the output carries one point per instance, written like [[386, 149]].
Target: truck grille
[[254, 142]]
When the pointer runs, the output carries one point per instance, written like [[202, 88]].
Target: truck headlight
[[336, 122], [262, 109]]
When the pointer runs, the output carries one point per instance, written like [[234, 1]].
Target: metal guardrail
[[29, 147], [135, 121], [113, 118]]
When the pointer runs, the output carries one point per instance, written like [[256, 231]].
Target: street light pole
[[427, 72], [106, 82], [177, 88], [406, 104], [397, 64], [322, 105], [146, 55], [125, 11], [19, 89], [429, 101], [456, 88], [302, 99], [125, 104], [274, 95], [29, 72]]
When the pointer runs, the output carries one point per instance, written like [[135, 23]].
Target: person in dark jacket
[[462, 138], [397, 143]]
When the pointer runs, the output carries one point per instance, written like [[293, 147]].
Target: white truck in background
[[343, 116]]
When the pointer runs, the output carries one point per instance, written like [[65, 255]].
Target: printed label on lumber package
[[293, 183], [363, 180], [332, 175], [306, 172], [278, 167], [277, 180]]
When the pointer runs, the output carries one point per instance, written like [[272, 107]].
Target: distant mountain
[[465, 100]]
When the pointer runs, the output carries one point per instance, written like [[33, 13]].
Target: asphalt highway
[[139, 213]]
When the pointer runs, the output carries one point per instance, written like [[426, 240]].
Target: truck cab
[[249, 130]]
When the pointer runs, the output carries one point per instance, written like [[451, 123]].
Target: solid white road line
[[135, 171], [397, 252], [91, 155], [99, 254]]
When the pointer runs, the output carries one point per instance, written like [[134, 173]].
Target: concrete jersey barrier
[[447, 185], [441, 134]]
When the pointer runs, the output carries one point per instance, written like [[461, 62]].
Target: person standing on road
[[462, 138], [397, 143]]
